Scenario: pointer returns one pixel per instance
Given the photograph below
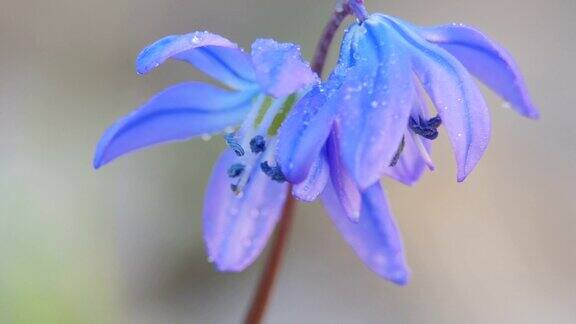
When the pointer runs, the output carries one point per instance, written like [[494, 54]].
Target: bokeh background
[[123, 245]]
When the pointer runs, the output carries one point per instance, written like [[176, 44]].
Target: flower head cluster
[[334, 139]]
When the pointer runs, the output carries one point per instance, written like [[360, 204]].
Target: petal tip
[[98, 160], [534, 115], [293, 174], [101, 161], [102, 156], [400, 278], [96, 164], [226, 268], [527, 109]]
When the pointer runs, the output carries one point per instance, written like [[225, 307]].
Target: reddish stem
[[325, 41]]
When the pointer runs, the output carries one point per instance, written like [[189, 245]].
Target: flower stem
[[269, 274], [260, 299], [323, 45]]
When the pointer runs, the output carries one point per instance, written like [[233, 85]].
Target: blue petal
[[210, 53], [303, 133], [455, 95], [237, 227], [410, 166], [375, 238], [176, 114], [488, 61], [309, 189], [280, 68], [377, 95], [344, 185]]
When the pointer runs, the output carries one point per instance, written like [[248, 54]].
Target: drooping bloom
[[374, 102], [370, 118]]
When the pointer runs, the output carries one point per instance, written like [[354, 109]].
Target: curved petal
[[410, 166], [237, 227], [488, 61], [344, 185], [308, 125], [375, 238], [175, 114], [210, 53], [280, 68], [303, 133], [378, 94], [455, 95], [309, 189]]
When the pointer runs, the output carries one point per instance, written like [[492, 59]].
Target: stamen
[[257, 132], [282, 114], [250, 120], [270, 114], [273, 172], [258, 144], [435, 122], [423, 151], [232, 142], [236, 170], [426, 129], [259, 121], [265, 168], [396, 157]]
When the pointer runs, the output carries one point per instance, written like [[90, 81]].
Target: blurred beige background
[[123, 245]]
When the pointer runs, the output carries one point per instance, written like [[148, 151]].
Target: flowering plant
[[290, 134]]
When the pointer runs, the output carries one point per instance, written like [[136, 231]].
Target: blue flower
[[264, 86], [370, 119]]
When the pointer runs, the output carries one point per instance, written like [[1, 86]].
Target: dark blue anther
[[425, 128], [234, 145], [258, 144], [236, 170], [273, 172], [234, 188], [396, 157], [267, 169], [435, 122]]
